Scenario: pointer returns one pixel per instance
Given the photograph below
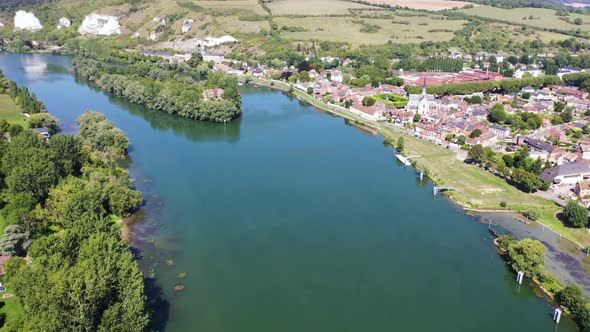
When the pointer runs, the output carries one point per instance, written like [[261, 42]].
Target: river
[[290, 219]]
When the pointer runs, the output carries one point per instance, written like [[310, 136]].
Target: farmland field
[[252, 5], [503, 32], [541, 17], [348, 29], [313, 7], [422, 4]]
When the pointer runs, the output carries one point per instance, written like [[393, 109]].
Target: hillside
[[491, 25]]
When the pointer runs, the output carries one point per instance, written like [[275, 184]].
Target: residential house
[[485, 139], [582, 188], [427, 131], [541, 147], [42, 132], [568, 70], [499, 131], [584, 151], [216, 93], [372, 113], [213, 56]]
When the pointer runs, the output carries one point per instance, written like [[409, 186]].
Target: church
[[423, 103]]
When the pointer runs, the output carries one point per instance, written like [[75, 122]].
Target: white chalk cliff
[[216, 41], [97, 24], [26, 21], [64, 22]]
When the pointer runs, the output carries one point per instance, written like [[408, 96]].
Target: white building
[[567, 173], [535, 72], [422, 103]]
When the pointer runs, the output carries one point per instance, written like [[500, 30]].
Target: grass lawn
[[9, 111], [11, 308], [392, 99]]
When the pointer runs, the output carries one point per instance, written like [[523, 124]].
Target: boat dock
[[405, 160]]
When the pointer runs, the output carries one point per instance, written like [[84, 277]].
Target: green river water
[[290, 219]]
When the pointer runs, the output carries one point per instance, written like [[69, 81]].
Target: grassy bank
[[478, 188], [9, 111], [475, 187]]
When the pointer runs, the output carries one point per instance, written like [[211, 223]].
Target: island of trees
[[176, 88]]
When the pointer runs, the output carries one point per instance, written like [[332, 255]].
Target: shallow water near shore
[[565, 260], [292, 220]]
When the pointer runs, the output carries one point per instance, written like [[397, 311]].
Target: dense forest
[[59, 200], [176, 88]]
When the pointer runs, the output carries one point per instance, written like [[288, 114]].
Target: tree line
[[173, 88], [505, 86], [433, 64], [59, 198], [519, 168]]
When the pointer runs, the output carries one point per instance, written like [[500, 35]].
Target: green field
[[9, 111], [542, 18], [314, 7], [348, 29], [11, 309], [252, 5]]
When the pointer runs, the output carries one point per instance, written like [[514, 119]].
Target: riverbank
[[475, 187]]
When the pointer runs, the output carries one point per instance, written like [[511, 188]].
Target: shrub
[[368, 101], [572, 298], [504, 241], [527, 255], [533, 213], [575, 215]]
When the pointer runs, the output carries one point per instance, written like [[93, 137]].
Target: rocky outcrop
[[26, 21], [64, 23], [187, 25], [97, 24]]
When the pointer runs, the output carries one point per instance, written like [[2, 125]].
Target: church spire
[[424, 86]]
